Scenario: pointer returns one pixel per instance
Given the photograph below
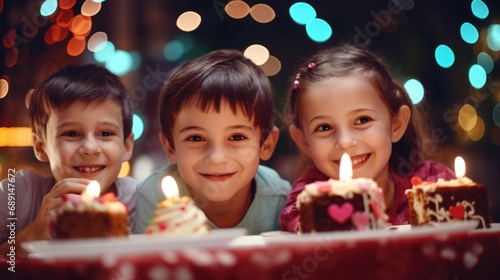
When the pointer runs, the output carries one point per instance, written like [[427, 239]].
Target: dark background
[[146, 26]]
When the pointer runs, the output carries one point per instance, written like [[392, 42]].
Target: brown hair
[[85, 83], [222, 75], [346, 60]]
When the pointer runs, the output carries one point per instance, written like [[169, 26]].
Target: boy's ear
[[38, 148], [299, 139], [169, 151], [400, 123], [128, 147], [267, 148]]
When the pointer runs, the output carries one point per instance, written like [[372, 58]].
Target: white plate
[[138, 243], [392, 231]]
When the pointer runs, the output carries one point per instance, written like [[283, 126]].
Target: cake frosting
[[178, 217], [358, 205], [448, 201], [77, 217]]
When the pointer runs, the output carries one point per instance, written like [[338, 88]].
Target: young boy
[[81, 121], [216, 117]]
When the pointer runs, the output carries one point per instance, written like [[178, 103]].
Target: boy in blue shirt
[[216, 117]]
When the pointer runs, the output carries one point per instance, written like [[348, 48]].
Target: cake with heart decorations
[[348, 205]]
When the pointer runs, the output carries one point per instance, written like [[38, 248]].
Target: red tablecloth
[[462, 255]]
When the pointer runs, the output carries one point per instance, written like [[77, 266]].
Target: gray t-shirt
[[28, 190], [271, 192]]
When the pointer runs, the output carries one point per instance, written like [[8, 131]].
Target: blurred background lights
[[64, 18], [237, 9], [48, 7], [444, 56], [469, 33], [318, 30], [136, 60], [66, 4], [272, 66], [143, 167], [493, 37], [173, 50], [4, 88], [262, 13], [302, 13], [97, 41], [477, 132], [467, 117], [188, 21], [479, 9], [90, 7], [415, 90], [80, 25], [485, 61], [257, 53], [137, 126], [125, 170], [477, 76], [76, 46], [15, 137], [120, 63], [496, 115], [104, 54]]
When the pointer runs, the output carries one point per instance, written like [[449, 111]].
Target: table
[[448, 255]]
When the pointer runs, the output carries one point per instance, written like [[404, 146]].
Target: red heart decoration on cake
[[340, 213], [360, 220], [457, 212]]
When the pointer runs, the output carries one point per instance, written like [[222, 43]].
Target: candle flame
[[92, 191], [459, 167], [345, 172], [169, 187]]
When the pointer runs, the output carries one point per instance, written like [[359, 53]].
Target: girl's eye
[[107, 133], [363, 120], [195, 138], [237, 137], [70, 134], [323, 127]]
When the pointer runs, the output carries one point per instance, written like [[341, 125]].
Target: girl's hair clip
[[296, 83]]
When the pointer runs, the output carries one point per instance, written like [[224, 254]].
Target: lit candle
[[170, 189], [345, 172], [459, 168], [92, 191]]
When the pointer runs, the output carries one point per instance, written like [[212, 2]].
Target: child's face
[[86, 141], [217, 154], [346, 115]]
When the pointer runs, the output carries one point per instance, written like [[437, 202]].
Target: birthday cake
[[334, 205], [178, 217], [448, 201], [98, 217]]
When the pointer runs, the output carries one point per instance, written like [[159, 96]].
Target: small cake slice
[[334, 205], [448, 201]]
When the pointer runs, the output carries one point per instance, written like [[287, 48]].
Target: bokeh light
[[444, 56], [174, 50], [188, 21], [137, 126], [104, 54], [66, 4], [124, 170], [55, 34], [15, 137], [479, 9], [80, 25], [496, 114], [272, 66], [9, 39], [493, 37], [257, 53], [415, 90], [4, 88], [90, 8], [485, 61], [237, 9], [64, 18], [262, 13], [469, 33], [11, 56], [302, 13], [467, 117], [76, 46], [477, 76], [477, 132], [120, 63], [143, 167], [48, 8], [318, 30], [97, 41]]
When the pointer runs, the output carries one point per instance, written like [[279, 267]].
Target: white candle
[[92, 191], [345, 172], [459, 168], [169, 187]]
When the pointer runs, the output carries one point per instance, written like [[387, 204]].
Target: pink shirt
[[398, 214]]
